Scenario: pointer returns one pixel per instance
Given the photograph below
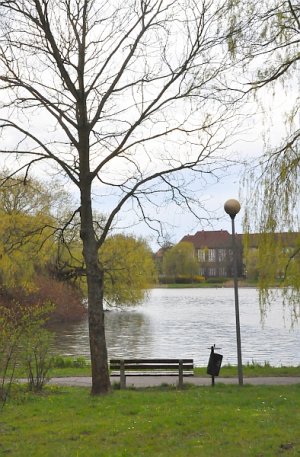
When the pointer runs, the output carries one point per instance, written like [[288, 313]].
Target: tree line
[[41, 258]]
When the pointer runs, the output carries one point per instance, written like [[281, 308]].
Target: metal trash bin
[[214, 364]]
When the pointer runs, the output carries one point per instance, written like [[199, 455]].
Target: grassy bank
[[227, 420], [206, 284], [253, 370], [203, 285], [68, 366]]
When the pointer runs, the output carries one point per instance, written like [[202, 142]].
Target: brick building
[[214, 253], [213, 250]]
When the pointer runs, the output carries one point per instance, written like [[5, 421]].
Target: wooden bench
[[151, 367]]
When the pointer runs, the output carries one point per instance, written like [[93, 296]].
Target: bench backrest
[[166, 365]]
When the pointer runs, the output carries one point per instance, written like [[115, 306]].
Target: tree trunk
[[100, 373], [94, 272]]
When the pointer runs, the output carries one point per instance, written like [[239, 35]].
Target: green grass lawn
[[253, 370], [81, 367], [227, 421]]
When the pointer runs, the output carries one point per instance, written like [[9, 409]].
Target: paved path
[[149, 381]]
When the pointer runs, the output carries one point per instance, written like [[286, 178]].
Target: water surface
[[186, 322]]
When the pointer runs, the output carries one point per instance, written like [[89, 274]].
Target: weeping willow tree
[[179, 262], [129, 269], [267, 39], [26, 236]]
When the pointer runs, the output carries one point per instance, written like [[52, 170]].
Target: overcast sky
[[169, 151], [250, 147]]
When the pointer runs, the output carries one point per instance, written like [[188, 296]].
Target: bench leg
[[122, 375], [180, 373]]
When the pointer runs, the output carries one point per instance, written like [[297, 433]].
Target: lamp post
[[232, 207]]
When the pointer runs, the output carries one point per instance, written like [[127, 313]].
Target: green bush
[[36, 358], [68, 362], [216, 280], [181, 279], [20, 327]]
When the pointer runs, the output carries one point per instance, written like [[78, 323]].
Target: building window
[[212, 272], [223, 272], [211, 255], [222, 255], [201, 255], [202, 271]]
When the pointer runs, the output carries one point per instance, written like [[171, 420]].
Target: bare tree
[[123, 97]]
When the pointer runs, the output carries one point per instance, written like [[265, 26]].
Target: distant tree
[[251, 262], [39, 266], [25, 246], [129, 269], [123, 98], [127, 261], [31, 214], [29, 247], [275, 262], [159, 255], [180, 261]]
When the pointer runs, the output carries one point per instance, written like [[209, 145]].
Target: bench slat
[[154, 373], [191, 361], [142, 366]]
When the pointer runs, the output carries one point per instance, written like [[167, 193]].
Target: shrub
[[216, 280], [68, 362], [181, 279], [10, 334], [67, 300], [19, 325], [36, 358], [198, 279]]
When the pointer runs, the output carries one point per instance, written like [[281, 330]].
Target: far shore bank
[[205, 285]]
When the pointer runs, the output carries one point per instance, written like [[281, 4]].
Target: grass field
[[80, 367], [227, 421], [253, 370]]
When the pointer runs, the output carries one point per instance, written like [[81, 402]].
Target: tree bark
[[99, 364], [94, 273]]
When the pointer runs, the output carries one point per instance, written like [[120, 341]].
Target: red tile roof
[[222, 239], [209, 239], [161, 252]]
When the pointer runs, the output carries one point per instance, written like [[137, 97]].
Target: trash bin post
[[214, 364], [212, 351]]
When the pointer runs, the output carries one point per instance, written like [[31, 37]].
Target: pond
[[186, 322]]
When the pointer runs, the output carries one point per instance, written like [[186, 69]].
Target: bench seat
[[151, 367]]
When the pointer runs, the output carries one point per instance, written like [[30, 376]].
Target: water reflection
[[185, 323], [128, 333]]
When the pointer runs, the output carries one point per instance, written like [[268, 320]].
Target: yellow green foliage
[[275, 262], [180, 260], [19, 327], [251, 263], [27, 228], [129, 269], [30, 247], [25, 245]]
